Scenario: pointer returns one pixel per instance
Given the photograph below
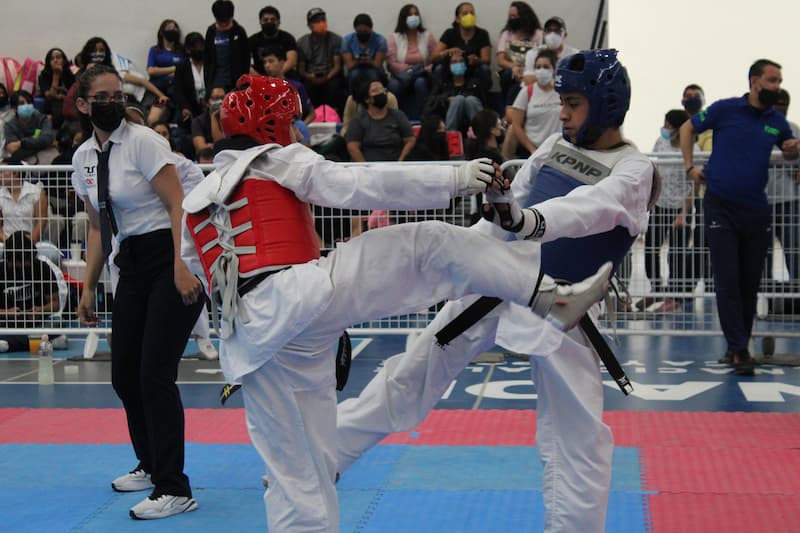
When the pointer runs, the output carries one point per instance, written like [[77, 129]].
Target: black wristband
[[689, 170]]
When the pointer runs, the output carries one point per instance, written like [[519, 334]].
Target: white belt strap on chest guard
[[212, 193], [224, 271]]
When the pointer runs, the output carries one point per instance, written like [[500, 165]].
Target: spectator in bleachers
[[28, 289], [162, 60], [274, 60], [522, 32], [134, 84], [534, 115], [162, 128], [487, 129], [6, 114], [227, 55], [555, 35], [378, 133], [465, 40], [431, 142], [67, 221], [364, 51], [206, 129], [23, 206], [785, 201], [669, 220], [458, 96], [736, 208], [190, 91], [29, 134], [693, 101], [54, 81], [409, 61], [319, 61], [272, 36], [355, 105]]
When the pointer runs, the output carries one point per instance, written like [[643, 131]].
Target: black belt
[[248, 284], [483, 305]]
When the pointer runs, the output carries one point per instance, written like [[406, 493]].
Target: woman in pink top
[[409, 59]]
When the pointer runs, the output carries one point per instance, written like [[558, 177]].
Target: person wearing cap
[[364, 52], [319, 61], [555, 34], [227, 55], [596, 219], [271, 36], [465, 39]]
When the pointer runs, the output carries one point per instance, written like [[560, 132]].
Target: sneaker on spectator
[[162, 506], [3, 346], [727, 358], [60, 343], [207, 349], [743, 363], [134, 481]]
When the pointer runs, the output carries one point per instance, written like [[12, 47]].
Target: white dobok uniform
[[278, 339], [586, 226]]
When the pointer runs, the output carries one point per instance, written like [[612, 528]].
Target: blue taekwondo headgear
[[601, 78]]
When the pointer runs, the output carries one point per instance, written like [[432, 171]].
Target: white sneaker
[[60, 343], [207, 349], [162, 507], [133, 481], [564, 305], [3, 346]]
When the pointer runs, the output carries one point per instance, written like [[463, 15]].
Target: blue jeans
[[411, 90], [461, 111]]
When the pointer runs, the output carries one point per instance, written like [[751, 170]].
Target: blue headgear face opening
[[601, 78]]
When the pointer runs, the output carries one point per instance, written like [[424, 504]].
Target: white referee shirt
[[137, 156]]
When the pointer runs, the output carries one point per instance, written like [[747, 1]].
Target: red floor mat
[[746, 430], [728, 513], [108, 426], [471, 428], [721, 470]]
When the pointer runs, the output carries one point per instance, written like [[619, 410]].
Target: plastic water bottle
[[46, 361]]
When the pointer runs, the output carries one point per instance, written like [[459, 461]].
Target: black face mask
[[172, 35], [197, 53], [692, 105], [3, 101], [380, 100], [363, 37], [768, 97], [270, 28], [514, 24], [107, 117]]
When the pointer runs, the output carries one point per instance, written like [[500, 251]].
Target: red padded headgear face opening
[[262, 108]]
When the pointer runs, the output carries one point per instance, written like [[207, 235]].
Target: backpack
[[8, 72], [28, 76]]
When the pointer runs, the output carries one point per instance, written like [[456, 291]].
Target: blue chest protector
[[576, 259]]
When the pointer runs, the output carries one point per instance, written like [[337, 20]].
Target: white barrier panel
[[665, 284]]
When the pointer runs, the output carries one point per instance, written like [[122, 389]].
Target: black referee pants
[[150, 328], [738, 238]]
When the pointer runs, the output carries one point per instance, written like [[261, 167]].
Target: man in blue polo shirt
[[737, 213]]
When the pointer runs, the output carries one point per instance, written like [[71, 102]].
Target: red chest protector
[[262, 226]]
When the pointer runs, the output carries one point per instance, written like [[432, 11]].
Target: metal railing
[[667, 275]]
